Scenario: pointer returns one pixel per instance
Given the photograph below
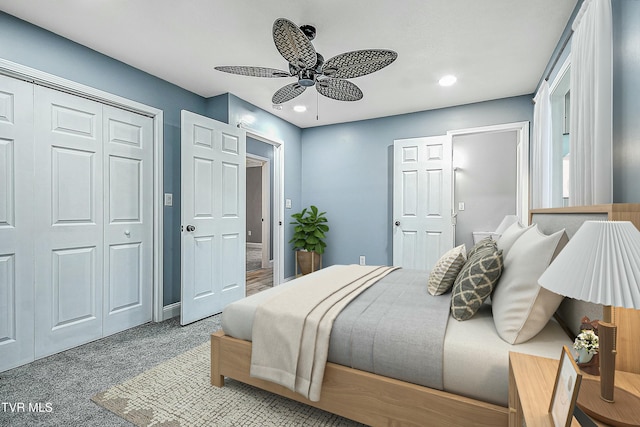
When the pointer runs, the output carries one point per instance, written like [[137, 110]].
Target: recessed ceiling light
[[299, 108], [447, 80]]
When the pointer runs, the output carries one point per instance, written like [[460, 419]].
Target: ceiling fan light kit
[[310, 68]]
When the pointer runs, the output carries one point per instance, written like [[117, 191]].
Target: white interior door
[[69, 224], [128, 213], [76, 177], [16, 233], [422, 214], [213, 216]]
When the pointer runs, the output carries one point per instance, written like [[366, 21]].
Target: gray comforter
[[383, 330]]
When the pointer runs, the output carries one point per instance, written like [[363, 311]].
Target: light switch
[[287, 203], [168, 199], [460, 206]]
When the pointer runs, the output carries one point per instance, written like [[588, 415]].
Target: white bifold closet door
[[16, 213], [93, 222]]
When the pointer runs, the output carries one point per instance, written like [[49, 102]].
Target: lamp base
[[624, 411]]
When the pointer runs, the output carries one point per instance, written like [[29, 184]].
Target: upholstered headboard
[[572, 311]]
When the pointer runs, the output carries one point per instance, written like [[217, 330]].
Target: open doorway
[[260, 211], [490, 179], [259, 202]]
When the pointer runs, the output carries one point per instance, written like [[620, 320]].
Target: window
[[560, 123]]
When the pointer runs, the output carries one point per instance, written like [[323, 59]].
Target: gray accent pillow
[[475, 282], [484, 244], [446, 270]]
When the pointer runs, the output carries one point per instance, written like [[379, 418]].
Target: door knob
[[191, 227], [127, 233], [397, 223]]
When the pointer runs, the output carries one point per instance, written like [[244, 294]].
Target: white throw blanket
[[291, 331]]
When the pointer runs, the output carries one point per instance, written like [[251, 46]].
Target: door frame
[[278, 197], [32, 75], [522, 168]]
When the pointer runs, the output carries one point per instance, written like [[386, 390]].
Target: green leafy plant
[[310, 226]]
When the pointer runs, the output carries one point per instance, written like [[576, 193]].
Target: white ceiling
[[496, 48]]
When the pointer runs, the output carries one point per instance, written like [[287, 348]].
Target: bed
[[474, 367]]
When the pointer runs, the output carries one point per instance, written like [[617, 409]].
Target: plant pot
[[308, 261], [584, 356]]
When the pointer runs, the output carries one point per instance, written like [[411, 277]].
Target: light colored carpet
[[178, 393]]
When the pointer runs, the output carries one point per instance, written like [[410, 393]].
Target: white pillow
[[446, 270], [521, 307], [510, 235]]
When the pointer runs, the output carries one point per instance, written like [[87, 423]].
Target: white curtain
[[591, 105], [541, 161]]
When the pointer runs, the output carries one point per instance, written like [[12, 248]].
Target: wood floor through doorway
[[259, 280]]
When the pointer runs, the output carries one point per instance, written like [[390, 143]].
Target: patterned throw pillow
[[446, 270], [482, 245], [475, 283]]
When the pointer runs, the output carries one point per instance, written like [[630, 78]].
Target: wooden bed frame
[[381, 401], [361, 396]]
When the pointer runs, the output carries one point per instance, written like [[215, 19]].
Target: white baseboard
[[170, 311]]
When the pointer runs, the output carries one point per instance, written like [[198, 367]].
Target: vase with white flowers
[[586, 344]]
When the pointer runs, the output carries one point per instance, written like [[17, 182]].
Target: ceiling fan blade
[[253, 71], [293, 44], [287, 93], [358, 63], [341, 90]]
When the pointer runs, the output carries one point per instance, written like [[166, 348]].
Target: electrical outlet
[[249, 232], [362, 260]]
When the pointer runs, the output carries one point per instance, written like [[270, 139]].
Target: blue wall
[[347, 167], [26, 44], [347, 171], [34, 47], [270, 126], [626, 101]]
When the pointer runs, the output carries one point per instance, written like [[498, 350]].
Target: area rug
[[178, 393]]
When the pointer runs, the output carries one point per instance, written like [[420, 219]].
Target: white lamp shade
[[600, 264]]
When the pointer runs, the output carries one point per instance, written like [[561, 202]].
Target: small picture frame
[[565, 390]]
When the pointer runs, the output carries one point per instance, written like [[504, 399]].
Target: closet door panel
[[69, 222], [128, 212], [16, 234]]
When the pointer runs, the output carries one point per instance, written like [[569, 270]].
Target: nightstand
[[531, 380]]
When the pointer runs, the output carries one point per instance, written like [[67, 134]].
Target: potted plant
[[308, 238], [586, 344]]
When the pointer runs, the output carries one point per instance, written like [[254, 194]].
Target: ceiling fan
[[310, 68]]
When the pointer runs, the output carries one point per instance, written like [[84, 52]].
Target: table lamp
[[601, 265]]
